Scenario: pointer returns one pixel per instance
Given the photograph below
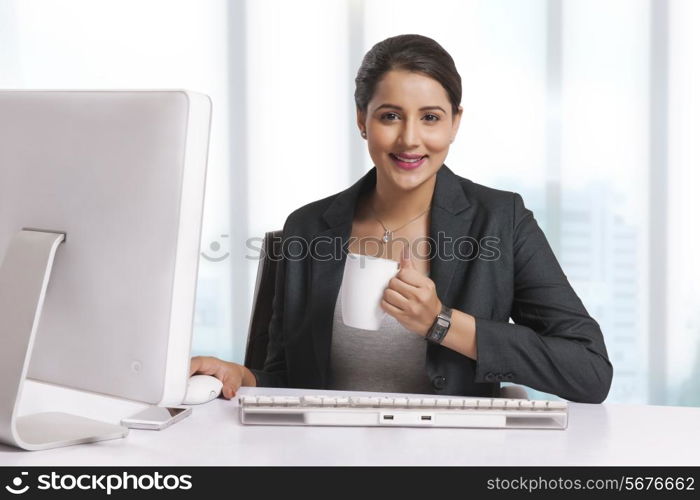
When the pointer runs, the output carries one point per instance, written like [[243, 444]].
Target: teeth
[[407, 160]]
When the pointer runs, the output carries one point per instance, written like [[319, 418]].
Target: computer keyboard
[[404, 412]]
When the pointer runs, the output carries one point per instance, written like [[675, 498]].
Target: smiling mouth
[[408, 161], [408, 158]]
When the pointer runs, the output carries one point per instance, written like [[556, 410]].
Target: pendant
[[387, 236]]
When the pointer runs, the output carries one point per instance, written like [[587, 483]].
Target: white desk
[[608, 434]]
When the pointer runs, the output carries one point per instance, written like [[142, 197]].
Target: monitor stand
[[24, 276]]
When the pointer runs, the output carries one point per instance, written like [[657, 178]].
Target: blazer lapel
[[448, 222], [327, 273]]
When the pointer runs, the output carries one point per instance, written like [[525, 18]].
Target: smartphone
[[156, 418]]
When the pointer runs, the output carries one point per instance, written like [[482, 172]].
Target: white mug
[[364, 280]]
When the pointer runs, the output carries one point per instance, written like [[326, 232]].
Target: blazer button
[[439, 382], [489, 377], [509, 376]]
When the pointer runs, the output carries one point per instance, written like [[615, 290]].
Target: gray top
[[391, 359]]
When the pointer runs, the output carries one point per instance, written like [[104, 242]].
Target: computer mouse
[[202, 389]]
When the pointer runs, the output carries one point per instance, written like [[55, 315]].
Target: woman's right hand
[[232, 375]]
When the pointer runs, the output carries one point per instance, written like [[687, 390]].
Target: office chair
[[256, 347]]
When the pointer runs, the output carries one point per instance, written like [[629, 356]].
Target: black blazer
[[501, 268]]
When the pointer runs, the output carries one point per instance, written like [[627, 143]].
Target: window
[[588, 108]]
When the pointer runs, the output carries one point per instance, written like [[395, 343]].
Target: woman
[[471, 257]]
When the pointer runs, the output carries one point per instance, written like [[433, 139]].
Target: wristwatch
[[442, 323]]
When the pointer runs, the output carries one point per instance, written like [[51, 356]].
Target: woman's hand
[[232, 375], [411, 298]]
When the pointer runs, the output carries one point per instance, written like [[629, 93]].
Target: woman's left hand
[[411, 298]]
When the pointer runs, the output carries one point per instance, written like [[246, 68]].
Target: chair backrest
[[261, 313]]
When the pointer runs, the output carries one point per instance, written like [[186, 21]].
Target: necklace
[[389, 233]]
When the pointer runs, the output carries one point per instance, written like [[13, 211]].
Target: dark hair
[[415, 53]]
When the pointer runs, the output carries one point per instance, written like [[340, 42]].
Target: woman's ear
[[361, 122]]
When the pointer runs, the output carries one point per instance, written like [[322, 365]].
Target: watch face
[[443, 323]]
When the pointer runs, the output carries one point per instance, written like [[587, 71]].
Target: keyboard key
[[470, 403], [280, 401], [364, 401], [386, 402], [264, 401], [483, 403], [401, 402], [342, 402], [414, 403], [442, 403], [456, 403], [557, 405], [498, 404], [312, 401], [427, 403]]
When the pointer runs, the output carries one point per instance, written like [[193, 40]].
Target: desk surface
[[607, 434]]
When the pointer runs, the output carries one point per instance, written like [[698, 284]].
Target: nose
[[409, 135]]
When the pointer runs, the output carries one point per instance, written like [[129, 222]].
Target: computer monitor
[[101, 198]]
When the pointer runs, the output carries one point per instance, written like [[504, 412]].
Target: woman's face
[[409, 125]]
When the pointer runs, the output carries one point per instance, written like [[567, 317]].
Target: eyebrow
[[424, 108]]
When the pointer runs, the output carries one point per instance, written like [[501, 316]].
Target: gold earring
[[364, 134]]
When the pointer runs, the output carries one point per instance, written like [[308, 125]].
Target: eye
[[390, 116], [430, 117]]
